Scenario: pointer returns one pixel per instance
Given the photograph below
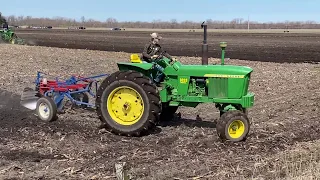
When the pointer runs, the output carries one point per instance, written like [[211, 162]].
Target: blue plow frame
[[58, 96]]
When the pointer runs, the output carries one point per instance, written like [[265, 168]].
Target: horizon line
[[159, 20]]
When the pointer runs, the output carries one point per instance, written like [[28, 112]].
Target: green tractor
[[7, 35], [129, 102]]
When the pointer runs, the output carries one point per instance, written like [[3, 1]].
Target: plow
[[8, 36], [135, 98], [54, 92]]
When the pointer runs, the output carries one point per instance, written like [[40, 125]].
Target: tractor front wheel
[[128, 103], [233, 125]]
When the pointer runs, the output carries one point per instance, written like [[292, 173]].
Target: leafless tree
[[236, 23]]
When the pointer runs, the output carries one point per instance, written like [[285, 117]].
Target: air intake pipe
[[204, 45]]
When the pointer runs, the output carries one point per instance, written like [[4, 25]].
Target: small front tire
[[233, 126], [46, 109]]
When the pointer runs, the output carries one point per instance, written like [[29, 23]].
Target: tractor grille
[[218, 87]]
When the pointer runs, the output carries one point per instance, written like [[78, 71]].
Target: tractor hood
[[214, 70], [144, 66], [195, 70]]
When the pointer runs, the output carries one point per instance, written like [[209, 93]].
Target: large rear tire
[[13, 39], [128, 103]]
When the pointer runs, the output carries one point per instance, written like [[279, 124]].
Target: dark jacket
[[5, 26], [151, 49]]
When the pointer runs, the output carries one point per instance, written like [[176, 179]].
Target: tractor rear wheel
[[233, 125], [13, 39], [128, 103]]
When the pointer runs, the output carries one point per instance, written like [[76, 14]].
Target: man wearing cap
[[153, 49]]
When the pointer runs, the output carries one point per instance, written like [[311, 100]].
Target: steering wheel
[[157, 59]]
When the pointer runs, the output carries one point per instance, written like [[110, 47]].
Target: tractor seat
[[135, 58]]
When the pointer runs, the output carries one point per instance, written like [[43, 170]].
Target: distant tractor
[[118, 29], [130, 102], [286, 30], [8, 36]]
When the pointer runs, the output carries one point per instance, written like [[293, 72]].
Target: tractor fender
[[139, 67]]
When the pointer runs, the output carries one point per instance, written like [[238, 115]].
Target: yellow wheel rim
[[125, 105], [236, 129]]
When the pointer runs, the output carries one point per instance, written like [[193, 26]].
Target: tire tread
[[224, 119], [148, 87]]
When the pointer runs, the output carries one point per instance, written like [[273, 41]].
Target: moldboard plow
[[48, 97]]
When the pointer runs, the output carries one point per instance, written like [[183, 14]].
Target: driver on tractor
[[5, 26], [153, 49], [151, 52]]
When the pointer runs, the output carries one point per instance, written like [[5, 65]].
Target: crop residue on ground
[[284, 118]]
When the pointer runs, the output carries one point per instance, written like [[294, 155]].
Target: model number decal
[[183, 80]]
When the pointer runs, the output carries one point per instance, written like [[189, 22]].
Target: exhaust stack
[[204, 45]]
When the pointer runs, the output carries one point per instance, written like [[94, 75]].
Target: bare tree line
[[237, 23], [2, 19]]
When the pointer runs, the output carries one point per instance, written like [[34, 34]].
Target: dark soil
[[286, 112], [268, 47]]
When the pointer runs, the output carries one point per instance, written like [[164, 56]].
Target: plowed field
[[267, 47], [285, 122]]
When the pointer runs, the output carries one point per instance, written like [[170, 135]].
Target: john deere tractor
[[7, 35], [131, 102]]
